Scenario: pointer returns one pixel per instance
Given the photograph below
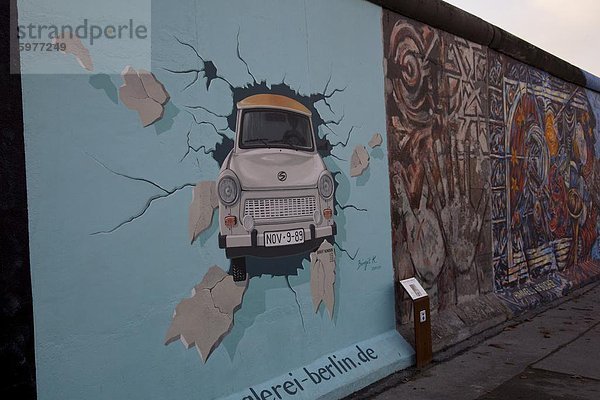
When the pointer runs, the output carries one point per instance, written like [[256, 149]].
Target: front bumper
[[252, 244]]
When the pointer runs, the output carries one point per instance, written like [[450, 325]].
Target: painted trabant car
[[276, 196]]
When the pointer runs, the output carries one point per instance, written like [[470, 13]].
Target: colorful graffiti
[[436, 96], [544, 183], [493, 168]]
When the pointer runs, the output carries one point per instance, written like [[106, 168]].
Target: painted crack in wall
[[131, 280], [209, 71], [165, 193], [204, 194]]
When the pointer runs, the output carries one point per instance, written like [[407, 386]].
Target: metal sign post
[[422, 321]]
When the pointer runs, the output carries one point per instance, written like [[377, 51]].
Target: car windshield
[[275, 128]]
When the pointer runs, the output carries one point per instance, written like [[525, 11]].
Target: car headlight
[[248, 222], [326, 186], [228, 190]]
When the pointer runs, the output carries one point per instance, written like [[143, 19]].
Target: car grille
[[280, 208]]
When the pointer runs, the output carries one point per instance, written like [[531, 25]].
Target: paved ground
[[554, 355]]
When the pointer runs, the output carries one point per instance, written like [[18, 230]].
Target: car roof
[[273, 101]]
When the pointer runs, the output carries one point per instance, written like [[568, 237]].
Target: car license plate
[[284, 238]]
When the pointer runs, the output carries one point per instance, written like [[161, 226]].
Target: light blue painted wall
[[103, 303]]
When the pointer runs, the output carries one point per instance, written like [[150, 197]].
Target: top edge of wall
[[451, 19]]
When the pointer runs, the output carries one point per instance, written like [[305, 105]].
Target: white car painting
[[276, 196]]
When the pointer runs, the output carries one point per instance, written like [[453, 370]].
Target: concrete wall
[[494, 174], [453, 162], [114, 275], [436, 102], [544, 184]]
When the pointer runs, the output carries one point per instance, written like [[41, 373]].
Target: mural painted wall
[[436, 102], [141, 195], [216, 224], [493, 171], [544, 183]]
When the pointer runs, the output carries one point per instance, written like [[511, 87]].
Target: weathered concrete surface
[[485, 367], [458, 323], [540, 384], [581, 357]]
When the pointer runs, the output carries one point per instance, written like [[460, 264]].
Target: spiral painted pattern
[[411, 74]]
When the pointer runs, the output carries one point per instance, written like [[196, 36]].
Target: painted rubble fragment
[[375, 141], [75, 46], [204, 201], [204, 319], [322, 277], [142, 92], [359, 161]]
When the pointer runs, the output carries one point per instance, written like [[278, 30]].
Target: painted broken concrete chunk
[[322, 277], [375, 141], [359, 161], [204, 201], [154, 88], [142, 92], [204, 319], [73, 45]]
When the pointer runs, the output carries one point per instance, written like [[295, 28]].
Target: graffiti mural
[[436, 102], [219, 209], [493, 169], [544, 183]]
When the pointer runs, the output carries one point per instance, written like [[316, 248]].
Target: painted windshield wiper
[[273, 143], [261, 140], [293, 146]]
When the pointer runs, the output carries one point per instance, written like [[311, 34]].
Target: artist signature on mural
[[368, 264], [539, 287]]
